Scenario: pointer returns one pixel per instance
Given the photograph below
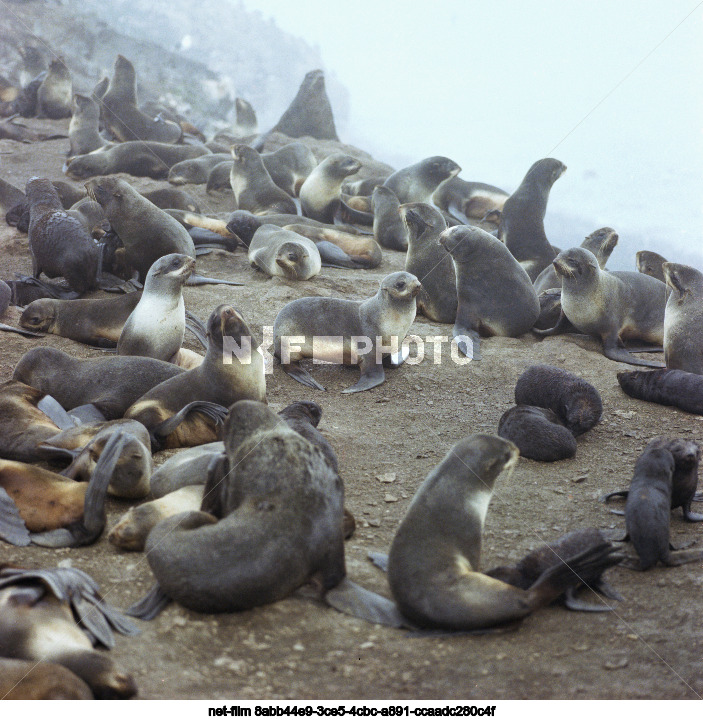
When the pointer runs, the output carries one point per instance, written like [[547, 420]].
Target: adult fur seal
[[212, 565], [495, 294], [434, 561], [417, 183], [55, 92], [83, 130], [195, 170], [157, 324], [148, 159], [428, 260], [615, 306], [253, 188], [381, 321], [147, 232], [122, 115], [388, 227], [522, 220], [59, 244], [169, 409], [57, 615], [284, 253], [468, 200], [320, 197], [683, 318], [538, 433], [650, 263]]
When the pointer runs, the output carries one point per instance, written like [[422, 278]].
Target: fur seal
[[147, 232], [388, 227], [434, 561], [247, 124], [253, 188], [683, 318], [522, 220], [538, 433], [121, 114], [168, 410], [666, 387], [428, 260], [111, 384], [417, 183], [329, 325], [156, 326], [148, 159], [83, 130], [575, 401], [495, 294], [650, 263], [468, 200], [320, 193], [196, 170], [57, 615], [173, 198], [55, 92], [615, 306], [59, 244], [284, 253], [32, 681], [216, 565], [310, 112]]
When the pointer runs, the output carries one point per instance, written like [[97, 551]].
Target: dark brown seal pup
[[147, 232], [59, 244], [111, 384], [667, 387], [320, 194], [494, 292], [295, 513], [538, 433], [57, 615], [577, 403], [83, 130], [434, 561], [55, 92], [683, 318], [522, 220], [650, 263], [417, 183]]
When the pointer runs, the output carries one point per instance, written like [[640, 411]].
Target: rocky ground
[[387, 441]]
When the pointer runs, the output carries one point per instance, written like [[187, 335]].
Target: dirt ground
[[649, 646]]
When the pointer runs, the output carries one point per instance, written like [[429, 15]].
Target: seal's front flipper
[[50, 407], [149, 607], [613, 350], [298, 373], [332, 256], [200, 280], [576, 604], [395, 360], [372, 375], [467, 341], [21, 331], [354, 600], [214, 411], [197, 328], [614, 494], [678, 558], [87, 413], [380, 560], [12, 527]]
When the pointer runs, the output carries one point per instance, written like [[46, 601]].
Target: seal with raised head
[[55, 92], [427, 259], [84, 128], [650, 263], [320, 194], [683, 318], [156, 326], [388, 227], [522, 220], [59, 244], [613, 305], [147, 232], [434, 562], [417, 183], [495, 294], [253, 188], [334, 329], [280, 252]]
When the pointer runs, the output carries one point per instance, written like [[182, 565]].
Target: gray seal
[[320, 194], [280, 252], [417, 183]]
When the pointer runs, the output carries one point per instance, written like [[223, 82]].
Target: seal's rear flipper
[[355, 600], [149, 607], [563, 326], [88, 413], [689, 515], [200, 280], [608, 496], [204, 238], [214, 411], [50, 407], [298, 373], [197, 328], [372, 375], [612, 350], [332, 256], [380, 560], [21, 331], [12, 527], [576, 604], [678, 558]]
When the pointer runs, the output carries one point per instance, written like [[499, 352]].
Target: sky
[[610, 89]]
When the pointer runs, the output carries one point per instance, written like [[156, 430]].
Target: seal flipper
[[298, 373], [372, 375], [12, 527], [688, 514], [196, 279], [88, 413], [563, 325], [214, 411], [58, 415], [608, 496], [575, 604], [149, 607], [197, 328], [395, 360], [613, 349], [332, 256], [355, 600], [380, 560], [21, 331]]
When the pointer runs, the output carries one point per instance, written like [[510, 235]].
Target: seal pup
[[417, 183], [615, 306], [156, 326], [495, 294], [253, 188], [169, 409], [650, 263], [147, 232], [539, 433], [468, 200], [32, 681], [57, 615], [196, 170], [284, 253], [59, 244], [121, 114], [55, 92], [320, 194], [388, 227], [332, 327], [428, 260], [84, 128], [683, 318], [666, 387], [522, 220], [434, 561]]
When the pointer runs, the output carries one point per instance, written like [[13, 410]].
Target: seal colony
[[206, 534]]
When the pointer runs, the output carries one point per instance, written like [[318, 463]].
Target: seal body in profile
[[417, 183], [468, 200], [683, 318], [614, 306], [388, 227], [276, 251], [522, 220], [253, 188], [538, 433], [320, 194], [278, 529], [83, 130], [495, 294], [346, 331], [55, 92]]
